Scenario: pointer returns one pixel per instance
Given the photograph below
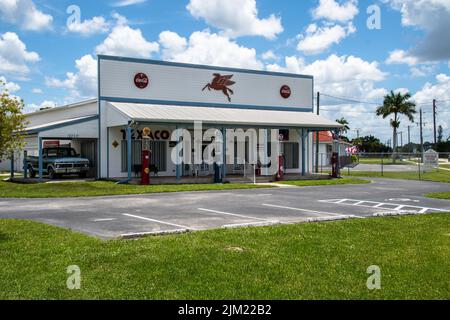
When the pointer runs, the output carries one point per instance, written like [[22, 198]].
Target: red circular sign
[[141, 80], [285, 91]]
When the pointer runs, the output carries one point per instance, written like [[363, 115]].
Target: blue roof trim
[[205, 67], [201, 104], [61, 125]]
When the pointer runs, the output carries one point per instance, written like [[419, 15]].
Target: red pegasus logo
[[221, 83]]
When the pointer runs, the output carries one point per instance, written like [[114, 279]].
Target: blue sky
[[47, 55]]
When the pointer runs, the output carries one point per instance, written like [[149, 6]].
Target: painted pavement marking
[[382, 205]]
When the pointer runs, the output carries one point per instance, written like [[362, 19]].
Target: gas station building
[[136, 94]]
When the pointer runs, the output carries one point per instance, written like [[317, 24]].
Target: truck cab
[[59, 161]]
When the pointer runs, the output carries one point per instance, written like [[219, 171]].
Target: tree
[[396, 105], [345, 125], [440, 134], [12, 123], [370, 144]]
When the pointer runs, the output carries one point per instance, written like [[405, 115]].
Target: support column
[[303, 153], [129, 152], [224, 153], [12, 165], [41, 160], [178, 166]]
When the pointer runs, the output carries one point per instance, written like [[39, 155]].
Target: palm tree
[[345, 125], [397, 104]]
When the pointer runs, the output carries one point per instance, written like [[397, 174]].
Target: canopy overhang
[[119, 113]]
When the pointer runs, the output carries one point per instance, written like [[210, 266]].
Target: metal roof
[[221, 116], [58, 124]]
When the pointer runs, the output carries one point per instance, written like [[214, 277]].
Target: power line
[[354, 100]]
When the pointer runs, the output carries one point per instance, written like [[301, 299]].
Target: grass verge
[[436, 176], [305, 183], [439, 195], [385, 161], [305, 261], [102, 188]]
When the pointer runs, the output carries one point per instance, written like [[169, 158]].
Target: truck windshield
[[61, 152]]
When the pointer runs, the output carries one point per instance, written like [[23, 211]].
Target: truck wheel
[[31, 172], [51, 173]]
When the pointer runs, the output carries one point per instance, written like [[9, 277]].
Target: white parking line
[[252, 224], [380, 205], [231, 214], [158, 221], [311, 211], [104, 220]]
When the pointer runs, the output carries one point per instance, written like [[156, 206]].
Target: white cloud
[[401, 57], [422, 71], [334, 11], [126, 3], [236, 17], [14, 57], [83, 83], [24, 14], [37, 91], [440, 90], [172, 44], [318, 39], [32, 107], [345, 76], [128, 42], [204, 47], [432, 16], [90, 26], [10, 86], [269, 55]]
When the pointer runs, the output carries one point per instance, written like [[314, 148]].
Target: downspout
[[129, 155], [41, 161]]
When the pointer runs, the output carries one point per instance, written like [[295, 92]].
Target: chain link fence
[[409, 165]]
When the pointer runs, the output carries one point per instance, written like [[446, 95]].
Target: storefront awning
[[215, 116]]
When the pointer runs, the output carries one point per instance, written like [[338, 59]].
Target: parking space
[[137, 215]]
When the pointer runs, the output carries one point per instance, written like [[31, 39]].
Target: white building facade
[[165, 97]]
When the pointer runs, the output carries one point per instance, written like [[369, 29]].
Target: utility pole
[[317, 135], [409, 138], [434, 120], [421, 132]]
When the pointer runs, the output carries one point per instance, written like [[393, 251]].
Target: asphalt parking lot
[[137, 215]]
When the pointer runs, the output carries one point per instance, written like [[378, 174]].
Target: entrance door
[[291, 155], [89, 151]]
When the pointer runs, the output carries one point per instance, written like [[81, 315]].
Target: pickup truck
[[59, 161]]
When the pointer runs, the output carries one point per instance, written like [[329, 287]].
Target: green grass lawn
[[437, 176], [439, 195], [385, 161], [304, 183], [305, 261], [102, 188], [445, 166]]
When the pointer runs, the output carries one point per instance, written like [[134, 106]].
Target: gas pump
[[145, 157], [335, 165], [280, 171]]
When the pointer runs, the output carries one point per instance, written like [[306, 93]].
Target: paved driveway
[[129, 216]]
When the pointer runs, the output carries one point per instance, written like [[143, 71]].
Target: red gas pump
[[335, 165], [146, 157], [280, 172]]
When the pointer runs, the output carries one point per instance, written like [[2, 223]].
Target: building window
[[158, 157]]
